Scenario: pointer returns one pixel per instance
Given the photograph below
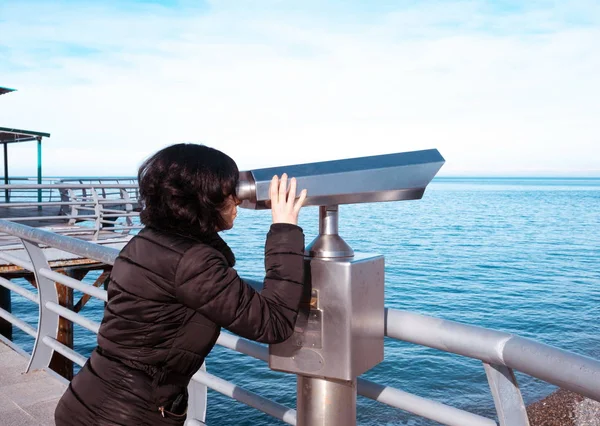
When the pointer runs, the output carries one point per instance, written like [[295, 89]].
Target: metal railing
[[97, 205], [501, 353]]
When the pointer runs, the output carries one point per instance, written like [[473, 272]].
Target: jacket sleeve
[[205, 282]]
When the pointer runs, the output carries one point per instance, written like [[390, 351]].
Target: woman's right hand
[[284, 206]]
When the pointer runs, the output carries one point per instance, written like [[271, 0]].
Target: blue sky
[[500, 88]]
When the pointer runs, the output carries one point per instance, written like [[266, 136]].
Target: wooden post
[[5, 303], [59, 363]]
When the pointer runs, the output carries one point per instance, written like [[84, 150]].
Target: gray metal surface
[[48, 320], [391, 177], [388, 395], [422, 407], [19, 323], [236, 343], [340, 335], [198, 395], [565, 369], [62, 242], [73, 317], [326, 402], [562, 368], [507, 395], [65, 351], [328, 243], [19, 290], [98, 293], [274, 409]]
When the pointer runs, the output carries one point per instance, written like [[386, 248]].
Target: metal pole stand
[[323, 401], [328, 243], [326, 402], [340, 328]]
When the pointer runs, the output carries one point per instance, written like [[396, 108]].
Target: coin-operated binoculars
[[340, 328]]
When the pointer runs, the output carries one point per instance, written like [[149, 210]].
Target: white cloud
[[495, 91]]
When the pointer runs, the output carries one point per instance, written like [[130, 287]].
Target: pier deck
[[26, 399]]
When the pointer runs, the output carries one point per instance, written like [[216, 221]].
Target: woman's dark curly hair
[[183, 188]]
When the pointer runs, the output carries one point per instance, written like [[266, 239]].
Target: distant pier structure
[[102, 210]]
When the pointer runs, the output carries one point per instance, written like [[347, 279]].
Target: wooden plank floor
[[26, 399]]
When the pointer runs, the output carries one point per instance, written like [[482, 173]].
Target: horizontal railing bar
[[420, 406], [62, 242], [73, 317], [117, 202], [565, 369], [64, 350], [20, 192], [19, 323], [96, 292], [43, 203], [119, 227], [40, 218], [75, 230], [247, 397], [70, 186], [17, 261], [239, 344], [119, 213], [19, 290], [89, 178]]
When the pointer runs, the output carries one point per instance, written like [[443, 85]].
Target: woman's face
[[229, 211]]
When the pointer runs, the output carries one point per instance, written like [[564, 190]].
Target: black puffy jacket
[[168, 297]]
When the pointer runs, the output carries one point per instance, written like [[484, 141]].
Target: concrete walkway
[[26, 399]]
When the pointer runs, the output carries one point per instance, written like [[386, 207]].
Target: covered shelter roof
[[8, 135], [4, 90]]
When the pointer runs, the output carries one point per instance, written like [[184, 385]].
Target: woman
[[173, 287]]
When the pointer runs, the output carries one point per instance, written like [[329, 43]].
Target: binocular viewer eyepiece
[[389, 177]]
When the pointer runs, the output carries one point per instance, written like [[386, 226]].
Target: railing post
[[48, 320], [64, 197], [74, 210], [98, 212], [507, 396], [5, 303], [128, 207], [197, 401]]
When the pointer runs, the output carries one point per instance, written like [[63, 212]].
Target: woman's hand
[[284, 206]]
